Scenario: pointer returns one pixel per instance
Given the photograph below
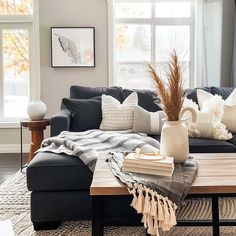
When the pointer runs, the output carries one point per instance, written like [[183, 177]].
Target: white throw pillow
[[229, 109], [117, 116], [208, 121]]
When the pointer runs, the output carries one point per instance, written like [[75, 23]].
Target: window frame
[[31, 23], [153, 21]]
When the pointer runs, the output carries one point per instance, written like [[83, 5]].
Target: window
[[18, 33], [147, 31]]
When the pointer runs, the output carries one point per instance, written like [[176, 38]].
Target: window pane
[[16, 7], [16, 72], [133, 10], [133, 42], [173, 9], [132, 76], [172, 37]]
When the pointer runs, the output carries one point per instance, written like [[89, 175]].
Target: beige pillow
[[117, 116], [148, 122], [229, 109]]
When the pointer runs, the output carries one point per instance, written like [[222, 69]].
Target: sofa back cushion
[[81, 92], [224, 92], [192, 93], [146, 99], [85, 113]]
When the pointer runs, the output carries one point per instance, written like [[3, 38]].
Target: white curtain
[[233, 82], [200, 44]]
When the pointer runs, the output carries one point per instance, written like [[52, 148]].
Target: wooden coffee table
[[216, 178]]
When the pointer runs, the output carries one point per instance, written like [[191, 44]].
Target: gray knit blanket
[[89, 144], [156, 197]]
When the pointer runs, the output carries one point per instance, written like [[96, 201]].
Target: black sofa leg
[[46, 225]]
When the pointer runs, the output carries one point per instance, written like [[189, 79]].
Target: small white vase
[[37, 110], [174, 138]]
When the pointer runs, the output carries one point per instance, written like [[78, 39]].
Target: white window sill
[[9, 125]]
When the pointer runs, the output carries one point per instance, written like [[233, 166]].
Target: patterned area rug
[[15, 205]]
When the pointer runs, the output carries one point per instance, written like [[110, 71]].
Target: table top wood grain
[[216, 174]]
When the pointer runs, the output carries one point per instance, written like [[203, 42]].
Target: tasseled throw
[[158, 211]]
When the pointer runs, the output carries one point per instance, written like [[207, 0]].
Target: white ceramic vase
[[37, 110], [174, 138]]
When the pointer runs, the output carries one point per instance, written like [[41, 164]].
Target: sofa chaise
[[59, 183]]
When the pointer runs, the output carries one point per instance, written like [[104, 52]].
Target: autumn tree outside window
[[17, 51]]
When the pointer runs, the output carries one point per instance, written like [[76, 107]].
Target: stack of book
[[148, 164]]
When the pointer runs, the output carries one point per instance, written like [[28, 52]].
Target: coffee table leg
[[215, 215], [97, 226]]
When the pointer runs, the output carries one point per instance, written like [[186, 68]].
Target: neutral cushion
[[85, 113], [147, 99], [79, 92], [117, 116], [148, 122], [229, 109], [56, 172]]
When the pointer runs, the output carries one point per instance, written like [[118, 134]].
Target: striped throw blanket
[[89, 144]]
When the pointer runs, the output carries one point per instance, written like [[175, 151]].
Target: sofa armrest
[[60, 122]]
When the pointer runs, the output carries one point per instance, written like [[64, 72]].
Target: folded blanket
[[156, 197], [89, 144]]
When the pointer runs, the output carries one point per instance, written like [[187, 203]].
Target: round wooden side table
[[37, 128]]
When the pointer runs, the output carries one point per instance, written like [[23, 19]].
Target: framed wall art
[[73, 47]]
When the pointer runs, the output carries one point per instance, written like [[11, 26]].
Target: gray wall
[[55, 83]]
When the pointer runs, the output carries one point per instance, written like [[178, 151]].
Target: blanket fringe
[[158, 211]]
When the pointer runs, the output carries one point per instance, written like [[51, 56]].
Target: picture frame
[[72, 47]]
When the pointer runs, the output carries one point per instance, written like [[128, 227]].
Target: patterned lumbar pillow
[[208, 123], [228, 110], [148, 122], [117, 116]]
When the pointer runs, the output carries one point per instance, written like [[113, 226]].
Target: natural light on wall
[[147, 31], [15, 46]]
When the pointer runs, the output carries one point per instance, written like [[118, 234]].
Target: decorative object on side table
[[36, 110], [174, 135]]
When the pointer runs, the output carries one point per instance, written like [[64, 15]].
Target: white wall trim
[[110, 42], [14, 148]]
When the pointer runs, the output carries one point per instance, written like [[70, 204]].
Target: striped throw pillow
[[117, 116]]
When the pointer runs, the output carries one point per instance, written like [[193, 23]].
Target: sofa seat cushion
[[57, 172], [201, 145]]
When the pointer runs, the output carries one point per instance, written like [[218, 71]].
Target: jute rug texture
[[15, 205]]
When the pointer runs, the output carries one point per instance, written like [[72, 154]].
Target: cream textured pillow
[[229, 108], [148, 122], [208, 121], [117, 116]]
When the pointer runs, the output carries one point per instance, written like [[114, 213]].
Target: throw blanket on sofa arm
[[155, 200], [88, 144]]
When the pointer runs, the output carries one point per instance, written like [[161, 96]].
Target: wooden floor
[[9, 164]]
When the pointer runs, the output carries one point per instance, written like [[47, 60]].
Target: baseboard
[[14, 148]]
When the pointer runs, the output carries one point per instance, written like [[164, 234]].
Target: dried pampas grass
[[170, 93]]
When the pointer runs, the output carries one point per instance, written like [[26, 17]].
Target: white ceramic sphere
[[37, 110]]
